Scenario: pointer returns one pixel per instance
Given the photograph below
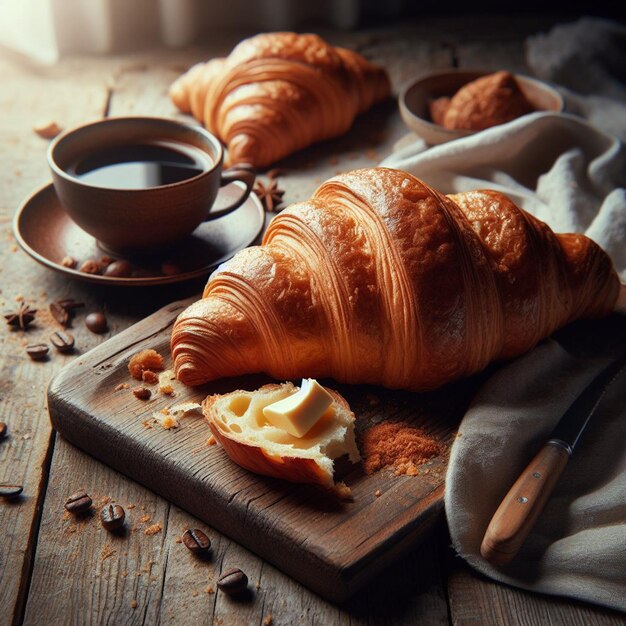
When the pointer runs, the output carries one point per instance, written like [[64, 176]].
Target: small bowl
[[415, 97]]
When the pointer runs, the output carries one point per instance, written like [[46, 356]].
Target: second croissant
[[279, 92]]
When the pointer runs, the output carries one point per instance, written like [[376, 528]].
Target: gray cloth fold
[[571, 176]]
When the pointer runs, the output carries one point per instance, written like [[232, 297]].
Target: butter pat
[[299, 412]]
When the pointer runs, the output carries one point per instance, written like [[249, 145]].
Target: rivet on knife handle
[[520, 508]]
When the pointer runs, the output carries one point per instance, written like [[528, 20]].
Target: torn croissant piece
[[250, 440], [487, 101], [381, 279], [277, 93]]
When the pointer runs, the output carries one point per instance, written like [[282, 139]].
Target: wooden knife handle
[[522, 505]]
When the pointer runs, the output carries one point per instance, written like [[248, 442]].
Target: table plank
[[29, 95], [477, 601]]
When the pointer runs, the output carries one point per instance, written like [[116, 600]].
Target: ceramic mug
[[141, 220]]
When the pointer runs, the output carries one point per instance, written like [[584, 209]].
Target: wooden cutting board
[[331, 546]]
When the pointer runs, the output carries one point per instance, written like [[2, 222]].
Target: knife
[[519, 510]]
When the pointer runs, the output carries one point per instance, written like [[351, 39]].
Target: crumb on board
[[210, 589], [153, 530], [165, 420], [145, 360], [150, 377], [142, 393], [145, 518], [133, 604], [211, 441], [343, 491], [267, 620], [399, 446], [378, 493], [122, 386], [165, 382]]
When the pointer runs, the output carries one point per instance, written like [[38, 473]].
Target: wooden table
[[54, 571]]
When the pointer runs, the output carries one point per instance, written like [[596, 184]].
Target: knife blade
[[520, 508]]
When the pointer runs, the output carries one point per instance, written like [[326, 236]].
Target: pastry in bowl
[[487, 101], [250, 437]]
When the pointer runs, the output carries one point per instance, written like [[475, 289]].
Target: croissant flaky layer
[[381, 279], [279, 92]]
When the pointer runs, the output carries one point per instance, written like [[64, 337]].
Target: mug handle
[[247, 177]]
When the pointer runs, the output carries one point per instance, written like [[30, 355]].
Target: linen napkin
[[571, 176]]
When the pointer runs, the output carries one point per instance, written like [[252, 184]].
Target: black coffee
[[141, 165]]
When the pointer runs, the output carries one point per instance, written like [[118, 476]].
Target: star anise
[[269, 194], [20, 318]]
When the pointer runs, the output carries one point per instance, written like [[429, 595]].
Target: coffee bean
[[232, 582], [119, 269], [112, 516], [8, 492], [97, 323], [78, 502], [3, 430], [196, 540], [60, 314], [63, 342], [37, 351]]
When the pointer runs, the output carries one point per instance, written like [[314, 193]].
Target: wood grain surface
[[58, 572]]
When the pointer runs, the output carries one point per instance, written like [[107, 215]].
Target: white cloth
[[587, 60], [571, 176]]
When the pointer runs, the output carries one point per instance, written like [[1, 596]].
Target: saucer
[[45, 231]]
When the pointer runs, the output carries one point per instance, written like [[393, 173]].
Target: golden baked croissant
[[381, 279], [277, 93]]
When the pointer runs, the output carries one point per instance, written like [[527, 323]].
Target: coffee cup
[[141, 184]]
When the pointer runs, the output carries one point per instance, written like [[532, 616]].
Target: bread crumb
[[165, 382], [178, 540], [145, 518], [186, 407], [210, 589], [131, 506], [142, 393], [398, 446], [211, 441], [122, 386], [343, 491], [165, 420], [153, 530], [47, 130], [106, 552], [150, 377], [145, 360], [133, 604], [146, 424], [378, 493], [267, 620], [69, 262]]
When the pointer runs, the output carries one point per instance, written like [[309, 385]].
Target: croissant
[[277, 93], [381, 279]]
